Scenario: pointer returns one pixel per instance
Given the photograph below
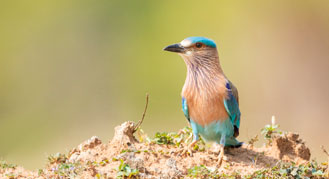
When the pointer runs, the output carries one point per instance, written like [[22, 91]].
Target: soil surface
[[125, 155]]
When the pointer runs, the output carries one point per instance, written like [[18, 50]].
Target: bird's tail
[[232, 142]]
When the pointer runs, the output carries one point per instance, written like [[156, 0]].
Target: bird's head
[[195, 50]]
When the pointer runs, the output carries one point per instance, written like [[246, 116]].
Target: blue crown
[[203, 40]]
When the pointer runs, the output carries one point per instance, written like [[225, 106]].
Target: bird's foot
[[221, 156], [188, 150]]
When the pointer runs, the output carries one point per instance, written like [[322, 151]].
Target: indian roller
[[210, 101]]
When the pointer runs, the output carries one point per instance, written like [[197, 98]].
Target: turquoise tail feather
[[232, 142]]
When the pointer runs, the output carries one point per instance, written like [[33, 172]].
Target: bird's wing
[[185, 109], [232, 106], [235, 92]]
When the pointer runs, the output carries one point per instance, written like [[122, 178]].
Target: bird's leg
[[221, 154], [221, 150]]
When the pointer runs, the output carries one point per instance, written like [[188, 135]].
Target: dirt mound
[[289, 147], [125, 156]]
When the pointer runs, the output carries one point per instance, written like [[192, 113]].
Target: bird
[[210, 101]]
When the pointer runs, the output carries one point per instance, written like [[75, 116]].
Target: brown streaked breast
[[205, 108]]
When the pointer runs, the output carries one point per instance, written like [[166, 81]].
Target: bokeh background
[[73, 69]]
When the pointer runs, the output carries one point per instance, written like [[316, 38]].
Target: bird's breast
[[206, 107]]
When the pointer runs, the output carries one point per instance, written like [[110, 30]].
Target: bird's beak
[[178, 48]]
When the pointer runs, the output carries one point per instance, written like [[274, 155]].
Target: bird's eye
[[198, 45]]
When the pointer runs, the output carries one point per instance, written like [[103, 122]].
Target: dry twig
[[139, 123]]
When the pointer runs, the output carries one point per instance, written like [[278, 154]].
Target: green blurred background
[[73, 69]]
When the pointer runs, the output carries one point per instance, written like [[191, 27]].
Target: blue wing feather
[[185, 109], [232, 106]]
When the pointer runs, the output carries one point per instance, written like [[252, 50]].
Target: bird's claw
[[188, 150]]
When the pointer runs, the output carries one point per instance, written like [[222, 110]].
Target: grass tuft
[[124, 171]]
